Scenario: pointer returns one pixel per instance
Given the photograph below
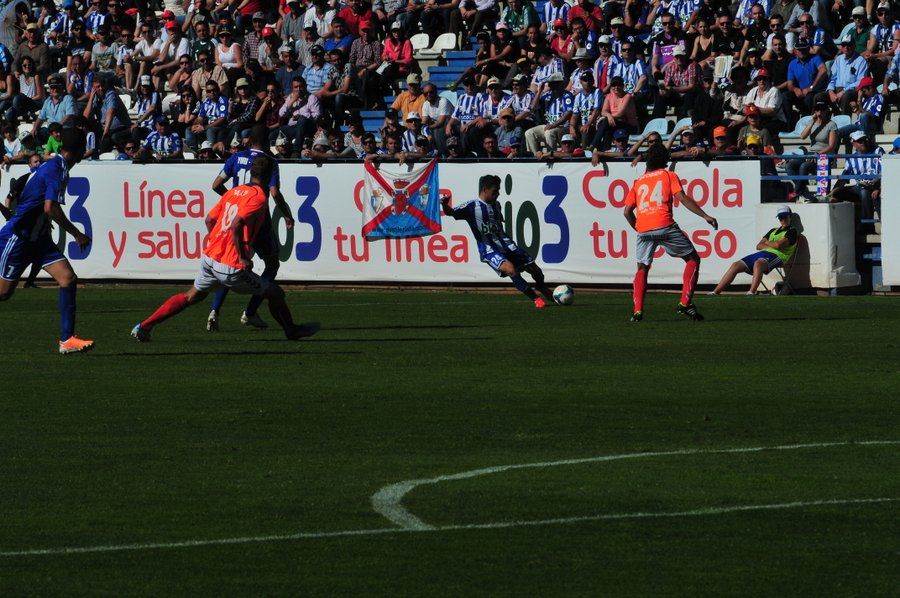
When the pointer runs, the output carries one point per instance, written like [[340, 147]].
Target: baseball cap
[[556, 77], [145, 80], [54, 127], [866, 82], [617, 21], [501, 25], [259, 16], [859, 11], [567, 137], [751, 110], [821, 104], [413, 116], [31, 27], [365, 25], [720, 132], [167, 14], [509, 112], [587, 76], [846, 40], [753, 139], [582, 54], [896, 143], [242, 82], [206, 145], [286, 49], [559, 23], [604, 40], [801, 44], [515, 140], [493, 81], [454, 141], [172, 25], [321, 140], [423, 139], [317, 49], [679, 51], [68, 3], [161, 120], [413, 78], [783, 211], [857, 135], [762, 73], [620, 134], [395, 25], [267, 32]]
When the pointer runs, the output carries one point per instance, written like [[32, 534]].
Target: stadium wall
[[890, 219], [147, 222]]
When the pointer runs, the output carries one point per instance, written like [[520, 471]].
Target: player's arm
[[237, 237], [448, 209], [691, 205], [213, 216], [282, 205], [55, 213], [629, 215], [219, 184]]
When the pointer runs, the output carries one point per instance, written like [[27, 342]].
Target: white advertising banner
[[890, 219], [146, 222]]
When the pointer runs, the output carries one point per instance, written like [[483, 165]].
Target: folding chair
[[784, 271]]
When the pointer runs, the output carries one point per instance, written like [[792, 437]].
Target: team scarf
[[399, 205]]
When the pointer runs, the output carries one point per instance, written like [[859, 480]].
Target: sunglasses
[[664, 24], [184, 63], [210, 91], [129, 148], [805, 22], [721, 138], [858, 17], [628, 49]]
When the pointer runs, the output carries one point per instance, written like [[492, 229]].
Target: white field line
[[387, 501], [447, 528]]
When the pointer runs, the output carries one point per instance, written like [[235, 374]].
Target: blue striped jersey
[[586, 103], [95, 20], [212, 109], [551, 13], [490, 109], [884, 36], [864, 163], [48, 182], [468, 108], [575, 79], [553, 108], [237, 168], [408, 140], [630, 73], [163, 145], [145, 104], [873, 105], [543, 72], [486, 222], [520, 104]]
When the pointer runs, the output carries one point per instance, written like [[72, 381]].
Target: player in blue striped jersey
[[25, 239], [496, 249], [237, 168]]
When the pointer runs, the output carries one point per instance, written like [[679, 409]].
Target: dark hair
[[75, 141], [488, 181], [657, 156], [262, 168], [259, 135]]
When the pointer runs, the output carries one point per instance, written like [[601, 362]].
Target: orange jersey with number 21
[[246, 201], [652, 194]]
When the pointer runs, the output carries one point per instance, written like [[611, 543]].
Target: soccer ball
[[564, 295]]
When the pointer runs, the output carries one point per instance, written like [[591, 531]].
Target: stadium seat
[[684, 122], [795, 134], [419, 42], [450, 96], [842, 120], [443, 43], [126, 99], [108, 156], [658, 125], [25, 128]]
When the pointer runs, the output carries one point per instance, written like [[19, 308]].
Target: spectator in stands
[[568, 148], [80, 81], [507, 130], [633, 73], [753, 126], [520, 101], [161, 144], [548, 64], [129, 151], [340, 38], [588, 12], [552, 11], [469, 106], [867, 108], [208, 71], [865, 161], [149, 107], [769, 101], [79, 44], [777, 60], [413, 130], [518, 16], [553, 105], [895, 146], [365, 57], [318, 76], [664, 43], [320, 150], [820, 44], [113, 118], [13, 150], [480, 67], [807, 76], [289, 68], [605, 65], [619, 112], [268, 55], [515, 149], [243, 110], [502, 55], [369, 147], [489, 148], [586, 109], [60, 25], [103, 54], [299, 114], [423, 150], [320, 15], [495, 100], [680, 83], [758, 28], [583, 65], [354, 13], [860, 32], [146, 51], [231, 57], [848, 70], [881, 46], [728, 41], [253, 38], [436, 112], [689, 144], [34, 47], [397, 56], [7, 89], [441, 16], [207, 152], [290, 27], [59, 107], [353, 138], [412, 99], [181, 111], [475, 13], [269, 109], [209, 118], [823, 139], [202, 40], [309, 37], [583, 39], [169, 53], [344, 93], [30, 93], [183, 76], [391, 125], [455, 149], [702, 49], [722, 145]]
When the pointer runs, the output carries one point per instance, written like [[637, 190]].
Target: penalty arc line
[[445, 528], [387, 501]]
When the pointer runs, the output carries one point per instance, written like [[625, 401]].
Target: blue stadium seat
[[456, 70], [364, 114], [658, 125], [460, 55], [684, 122], [795, 134], [842, 120]]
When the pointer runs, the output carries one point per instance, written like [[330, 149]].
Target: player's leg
[[62, 272], [504, 267], [539, 283], [205, 282], [12, 251], [644, 249], [7, 289], [32, 275], [760, 269], [686, 306], [212, 320], [251, 317], [282, 313], [738, 267]]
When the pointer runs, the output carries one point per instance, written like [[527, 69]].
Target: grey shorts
[[671, 238], [214, 275]]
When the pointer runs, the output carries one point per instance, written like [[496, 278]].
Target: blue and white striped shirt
[[95, 20], [630, 73], [873, 105], [212, 109], [553, 108], [164, 146], [551, 13], [143, 105], [884, 36], [468, 108], [520, 104], [490, 109], [408, 140], [585, 104], [486, 222], [542, 73], [863, 164]]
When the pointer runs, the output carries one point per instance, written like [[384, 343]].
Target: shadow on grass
[[407, 327], [395, 339], [226, 353]]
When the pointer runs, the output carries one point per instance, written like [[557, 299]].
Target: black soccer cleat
[[637, 316], [302, 331], [690, 311]]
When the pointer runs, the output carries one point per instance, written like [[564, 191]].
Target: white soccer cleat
[[254, 321], [141, 335], [212, 322]]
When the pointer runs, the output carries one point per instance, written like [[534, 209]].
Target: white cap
[[321, 140], [679, 51], [145, 80], [413, 116], [556, 77], [206, 145], [859, 10], [581, 53], [493, 81], [604, 39], [847, 39], [395, 25], [857, 135], [782, 210], [568, 137]]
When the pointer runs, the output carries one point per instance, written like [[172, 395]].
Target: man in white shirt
[[436, 112]]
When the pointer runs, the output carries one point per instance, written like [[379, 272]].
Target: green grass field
[[169, 448]]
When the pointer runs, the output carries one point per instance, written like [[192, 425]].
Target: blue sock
[[67, 311], [219, 299], [523, 286]]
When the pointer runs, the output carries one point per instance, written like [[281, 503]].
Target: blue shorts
[[771, 259], [516, 257], [264, 244], [17, 254]]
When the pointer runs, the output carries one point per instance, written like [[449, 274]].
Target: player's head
[[489, 187], [657, 156], [261, 170], [259, 137], [73, 145]]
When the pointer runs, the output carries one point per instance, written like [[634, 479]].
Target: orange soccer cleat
[[539, 303], [75, 345]]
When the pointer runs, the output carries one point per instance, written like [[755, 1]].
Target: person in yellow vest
[[774, 250]]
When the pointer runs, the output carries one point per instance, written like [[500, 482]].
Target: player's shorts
[[670, 237], [17, 254], [214, 275], [264, 244], [772, 260], [516, 257]]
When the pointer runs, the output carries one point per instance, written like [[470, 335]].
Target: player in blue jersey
[[237, 168], [26, 237], [494, 246]]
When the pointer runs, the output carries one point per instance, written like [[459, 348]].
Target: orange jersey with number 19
[[653, 194], [246, 201]]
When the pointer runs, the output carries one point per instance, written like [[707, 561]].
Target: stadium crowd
[[552, 80]]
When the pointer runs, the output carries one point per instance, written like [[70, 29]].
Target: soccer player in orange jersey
[[648, 209], [233, 225]]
